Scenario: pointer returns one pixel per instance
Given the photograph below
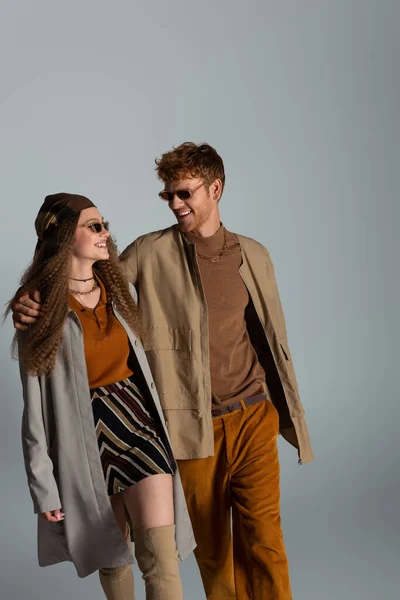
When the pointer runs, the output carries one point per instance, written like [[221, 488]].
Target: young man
[[215, 338]]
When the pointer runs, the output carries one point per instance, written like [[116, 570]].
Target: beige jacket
[[163, 268]]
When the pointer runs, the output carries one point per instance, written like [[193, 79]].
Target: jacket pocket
[[168, 351], [167, 338], [285, 354], [287, 366]]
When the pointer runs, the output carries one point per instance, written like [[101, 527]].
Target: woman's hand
[[54, 516]]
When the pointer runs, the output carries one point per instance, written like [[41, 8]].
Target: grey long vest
[[63, 465]]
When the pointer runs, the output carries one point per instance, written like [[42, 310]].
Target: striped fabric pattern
[[128, 436]]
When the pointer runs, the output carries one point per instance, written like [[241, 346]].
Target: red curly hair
[[191, 160]]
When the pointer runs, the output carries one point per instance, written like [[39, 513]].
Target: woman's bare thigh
[[150, 502]]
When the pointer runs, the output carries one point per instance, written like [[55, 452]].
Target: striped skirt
[[129, 435]]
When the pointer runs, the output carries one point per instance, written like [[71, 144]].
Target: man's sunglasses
[[181, 194], [98, 227]]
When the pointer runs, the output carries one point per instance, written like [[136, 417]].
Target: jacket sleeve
[[288, 431], [38, 465], [128, 261]]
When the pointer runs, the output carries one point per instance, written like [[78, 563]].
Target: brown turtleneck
[[235, 370]]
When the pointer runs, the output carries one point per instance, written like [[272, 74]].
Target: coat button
[[136, 343], [152, 384]]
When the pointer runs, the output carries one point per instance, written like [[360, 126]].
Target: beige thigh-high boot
[[157, 558], [117, 582]]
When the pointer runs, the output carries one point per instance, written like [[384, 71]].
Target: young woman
[[95, 445]]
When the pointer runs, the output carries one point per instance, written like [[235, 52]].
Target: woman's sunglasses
[[98, 227], [181, 194]]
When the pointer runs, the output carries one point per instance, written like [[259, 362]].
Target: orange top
[[106, 342]]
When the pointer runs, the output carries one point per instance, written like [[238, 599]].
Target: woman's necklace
[[88, 279], [95, 284], [215, 258]]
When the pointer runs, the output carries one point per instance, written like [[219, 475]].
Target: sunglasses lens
[[169, 196], [165, 195], [106, 225], [183, 194], [98, 227]]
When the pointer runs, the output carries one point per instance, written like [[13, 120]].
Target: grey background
[[301, 99]]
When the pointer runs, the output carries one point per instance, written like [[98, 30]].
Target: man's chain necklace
[[216, 258]]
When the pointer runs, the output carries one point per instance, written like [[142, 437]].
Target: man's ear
[[216, 189]]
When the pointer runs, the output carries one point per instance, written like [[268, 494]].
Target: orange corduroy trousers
[[243, 558]]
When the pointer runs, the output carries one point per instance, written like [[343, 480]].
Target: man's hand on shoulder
[[26, 311]]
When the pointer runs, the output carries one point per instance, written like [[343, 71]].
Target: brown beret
[[58, 207]]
